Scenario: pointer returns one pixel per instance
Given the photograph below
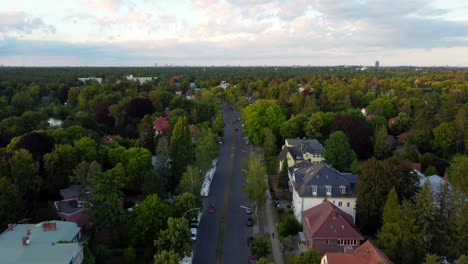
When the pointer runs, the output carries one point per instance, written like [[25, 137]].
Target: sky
[[233, 32]]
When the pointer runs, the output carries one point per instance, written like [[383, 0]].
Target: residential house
[[54, 122], [99, 80], [367, 253], [161, 125], [315, 182], [140, 80], [435, 181], [298, 150], [73, 206], [327, 228], [189, 95], [53, 242], [224, 85]]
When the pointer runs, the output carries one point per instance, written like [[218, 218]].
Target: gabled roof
[[321, 175], [295, 153], [326, 221], [74, 190], [298, 166], [306, 145], [161, 124], [367, 253]]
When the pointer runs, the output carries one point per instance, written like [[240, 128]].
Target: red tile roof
[[403, 137], [161, 124], [326, 221], [366, 253], [416, 166]]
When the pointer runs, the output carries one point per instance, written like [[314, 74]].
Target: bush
[[289, 226]]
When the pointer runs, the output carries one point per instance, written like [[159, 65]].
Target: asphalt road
[[227, 195]]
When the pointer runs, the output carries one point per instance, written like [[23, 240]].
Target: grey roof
[[43, 247], [68, 207], [307, 145], [298, 166], [74, 190], [295, 153], [321, 175]]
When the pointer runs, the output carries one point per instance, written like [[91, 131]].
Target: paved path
[[270, 228]]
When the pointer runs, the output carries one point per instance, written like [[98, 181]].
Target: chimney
[[10, 227], [334, 213], [25, 241], [28, 232]]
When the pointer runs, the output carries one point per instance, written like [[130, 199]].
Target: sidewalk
[[270, 228]]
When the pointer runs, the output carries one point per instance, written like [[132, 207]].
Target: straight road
[[222, 237]]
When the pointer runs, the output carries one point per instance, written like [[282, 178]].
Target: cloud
[[106, 5], [21, 23]]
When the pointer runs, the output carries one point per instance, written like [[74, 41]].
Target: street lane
[[226, 199]]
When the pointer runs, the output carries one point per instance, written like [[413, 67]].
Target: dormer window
[[314, 190], [328, 190], [343, 190]]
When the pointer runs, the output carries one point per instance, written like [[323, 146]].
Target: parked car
[[249, 221], [193, 232], [250, 241], [248, 211], [252, 259]]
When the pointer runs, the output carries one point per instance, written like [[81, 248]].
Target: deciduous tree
[[181, 149], [311, 256], [191, 181], [256, 183], [149, 219], [176, 237], [260, 115], [338, 152]]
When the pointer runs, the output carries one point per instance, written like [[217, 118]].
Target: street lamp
[[189, 210]]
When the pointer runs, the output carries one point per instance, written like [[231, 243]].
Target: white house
[[312, 183], [224, 85], [141, 80], [99, 80]]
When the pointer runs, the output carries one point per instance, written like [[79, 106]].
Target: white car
[[193, 232]]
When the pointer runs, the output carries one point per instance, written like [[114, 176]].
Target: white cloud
[[21, 23]]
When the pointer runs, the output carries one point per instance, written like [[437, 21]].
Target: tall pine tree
[[425, 213]]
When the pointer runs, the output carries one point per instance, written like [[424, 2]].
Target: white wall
[[302, 204]]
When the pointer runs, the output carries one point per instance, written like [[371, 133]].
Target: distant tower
[[377, 64]]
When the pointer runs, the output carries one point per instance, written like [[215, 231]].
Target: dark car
[[250, 241], [249, 221]]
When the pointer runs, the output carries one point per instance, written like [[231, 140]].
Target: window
[[346, 242], [347, 205], [340, 204], [343, 190], [328, 189], [314, 190]]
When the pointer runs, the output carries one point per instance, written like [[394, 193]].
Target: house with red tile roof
[[161, 125], [367, 253], [329, 229]]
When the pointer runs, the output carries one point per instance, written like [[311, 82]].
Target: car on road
[[250, 241], [249, 221], [193, 233]]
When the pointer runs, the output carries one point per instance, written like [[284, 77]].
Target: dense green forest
[[385, 119]]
